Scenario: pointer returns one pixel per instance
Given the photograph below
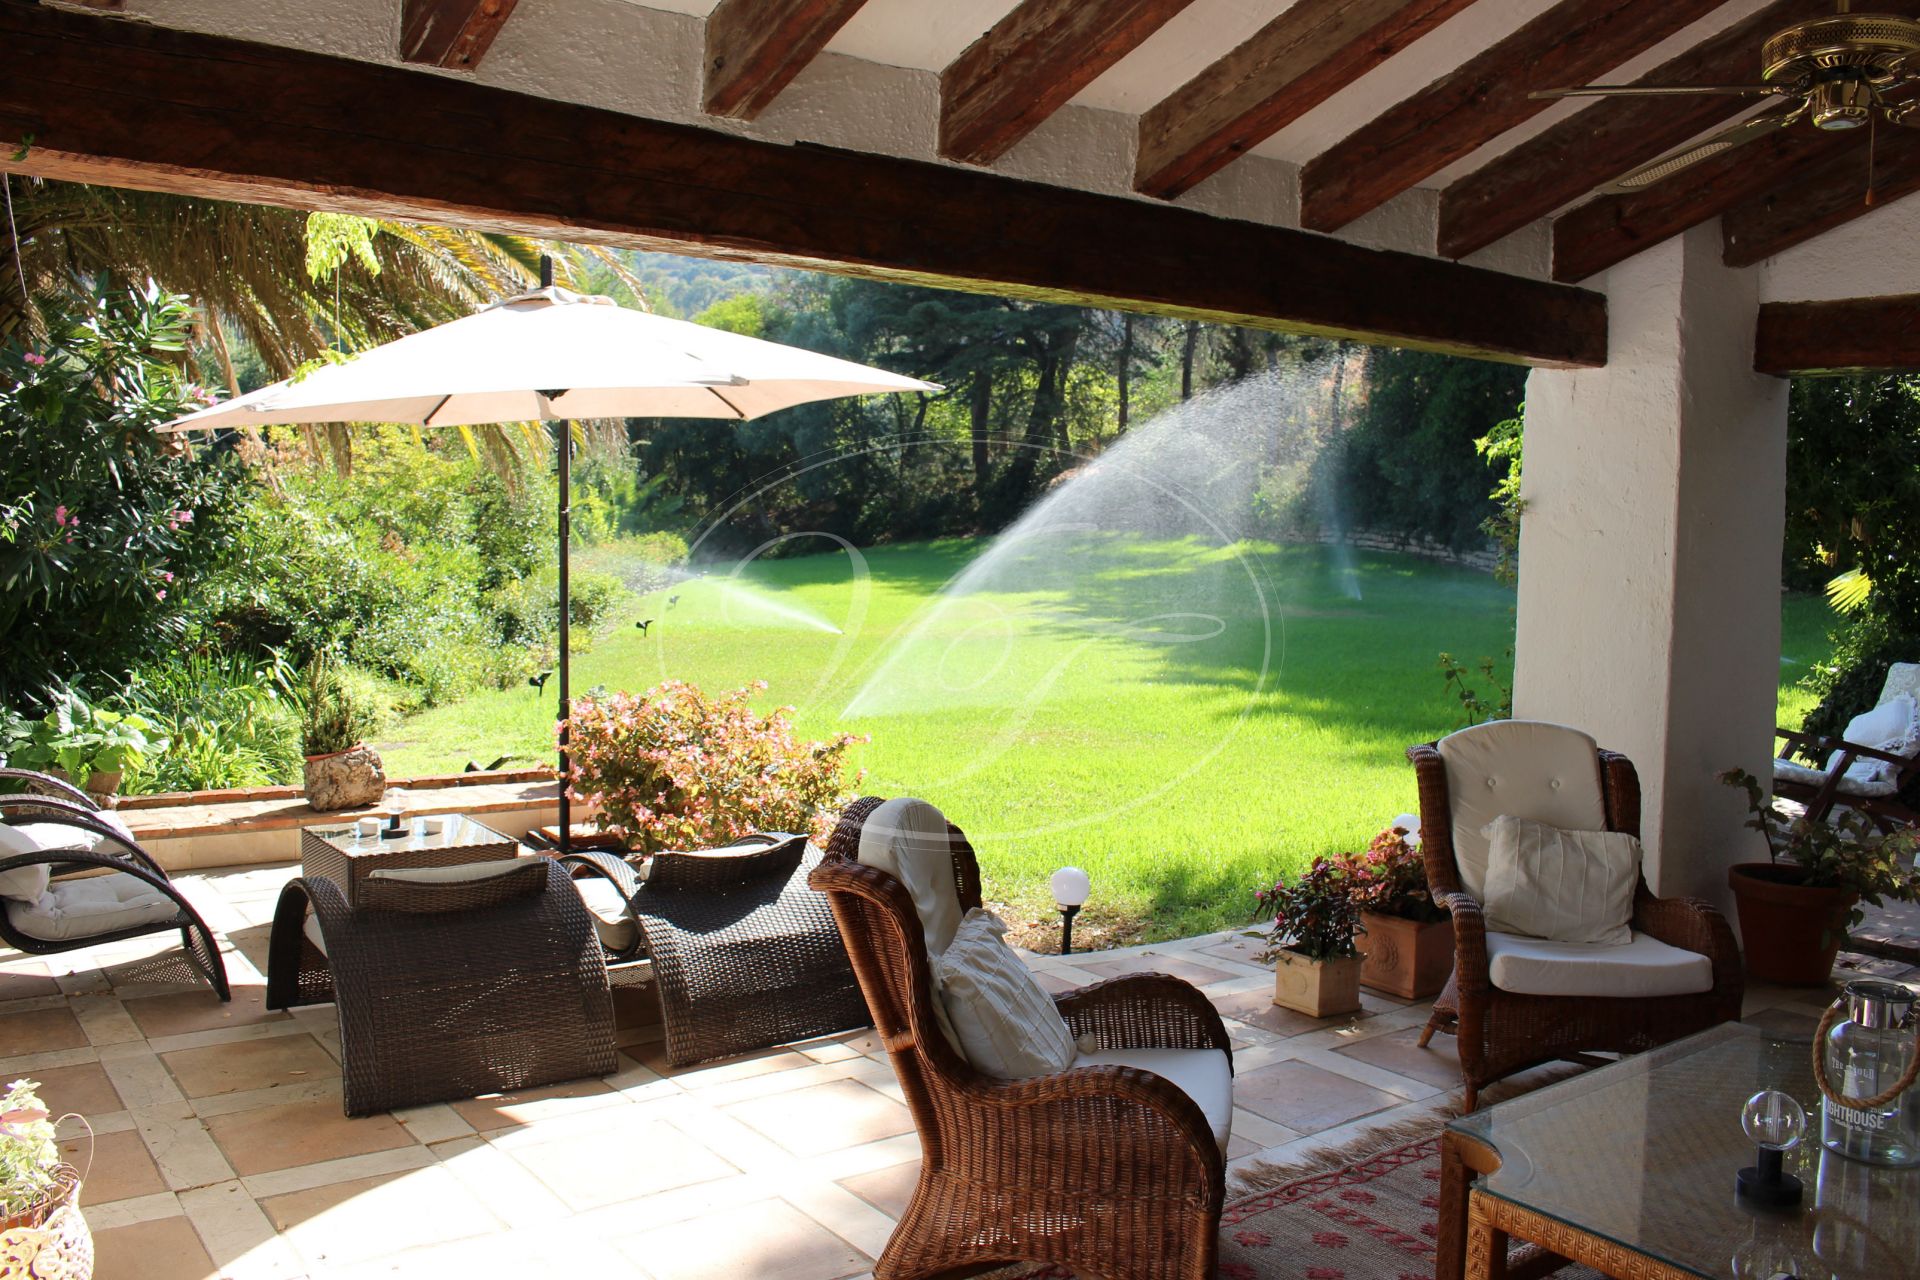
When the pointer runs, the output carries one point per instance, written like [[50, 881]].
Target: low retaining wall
[[1482, 559]]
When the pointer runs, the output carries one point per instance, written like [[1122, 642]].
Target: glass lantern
[[1866, 1054]]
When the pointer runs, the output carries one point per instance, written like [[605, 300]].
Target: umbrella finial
[[546, 272]]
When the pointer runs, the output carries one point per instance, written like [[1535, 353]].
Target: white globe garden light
[[1409, 823], [1071, 887]]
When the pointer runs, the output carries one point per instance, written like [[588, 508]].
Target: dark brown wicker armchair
[[1502, 1032], [1110, 1170]]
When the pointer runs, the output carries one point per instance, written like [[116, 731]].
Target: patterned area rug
[[1373, 1219]]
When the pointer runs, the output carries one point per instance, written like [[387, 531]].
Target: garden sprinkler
[[644, 625], [1071, 886]]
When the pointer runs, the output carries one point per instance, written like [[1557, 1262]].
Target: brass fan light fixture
[[1841, 72]]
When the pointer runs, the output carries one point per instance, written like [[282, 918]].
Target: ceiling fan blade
[[1746, 131], [1665, 90]]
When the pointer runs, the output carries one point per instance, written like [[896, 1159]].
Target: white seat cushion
[[87, 907], [1006, 1023], [611, 919], [1204, 1075], [1565, 886], [908, 839], [1644, 967], [1528, 768]]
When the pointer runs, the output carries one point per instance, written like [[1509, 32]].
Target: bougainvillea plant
[[673, 768], [1314, 916], [1389, 879], [29, 1157]]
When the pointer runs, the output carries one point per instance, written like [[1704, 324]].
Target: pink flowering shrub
[[673, 768]]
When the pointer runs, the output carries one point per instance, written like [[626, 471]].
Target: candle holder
[[1775, 1122]]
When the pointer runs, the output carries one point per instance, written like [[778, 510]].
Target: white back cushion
[[1006, 1023], [22, 883], [1565, 886], [1525, 768], [1888, 727], [907, 839]]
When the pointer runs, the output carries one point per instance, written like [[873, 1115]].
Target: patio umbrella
[[553, 356]]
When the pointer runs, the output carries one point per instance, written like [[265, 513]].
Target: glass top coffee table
[[346, 857], [1629, 1170]]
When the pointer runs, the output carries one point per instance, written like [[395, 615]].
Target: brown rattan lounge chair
[[745, 953], [55, 826], [1885, 796], [1556, 775], [447, 989], [1111, 1170]]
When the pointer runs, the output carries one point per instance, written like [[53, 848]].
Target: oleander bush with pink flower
[[676, 768]]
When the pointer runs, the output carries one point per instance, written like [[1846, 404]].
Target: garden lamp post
[[1071, 886]]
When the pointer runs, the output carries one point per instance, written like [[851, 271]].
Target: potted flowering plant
[[1795, 910], [1316, 965], [41, 1229], [1409, 946]]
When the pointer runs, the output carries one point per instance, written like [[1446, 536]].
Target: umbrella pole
[[566, 531]]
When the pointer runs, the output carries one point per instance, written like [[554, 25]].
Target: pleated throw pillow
[[1564, 886], [1006, 1023]]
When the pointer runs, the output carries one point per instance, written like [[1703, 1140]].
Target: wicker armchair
[[450, 989], [1547, 777], [1111, 1170], [58, 827]]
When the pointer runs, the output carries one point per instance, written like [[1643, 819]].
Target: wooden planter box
[[1406, 958], [1317, 988]]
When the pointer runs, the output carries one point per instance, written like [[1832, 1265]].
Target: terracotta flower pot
[[1317, 988], [104, 787], [1791, 932], [51, 1239], [1411, 959]]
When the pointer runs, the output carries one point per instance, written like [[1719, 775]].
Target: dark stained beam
[[1287, 68], [1611, 229], [451, 33], [1613, 136], [1854, 335], [134, 105], [1031, 62], [756, 47], [1572, 43], [1831, 191]]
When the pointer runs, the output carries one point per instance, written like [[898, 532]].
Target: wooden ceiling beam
[[451, 33], [135, 105], [1852, 335], [1572, 43], [1611, 137], [756, 47], [1828, 193], [1611, 229], [1287, 68], [1031, 63]]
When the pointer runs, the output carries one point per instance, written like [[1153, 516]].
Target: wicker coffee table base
[[1491, 1221]]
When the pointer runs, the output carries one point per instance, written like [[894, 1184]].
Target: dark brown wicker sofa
[[1111, 1170], [1556, 775]]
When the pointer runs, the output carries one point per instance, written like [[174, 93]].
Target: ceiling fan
[[1840, 72]]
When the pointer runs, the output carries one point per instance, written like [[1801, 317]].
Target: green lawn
[[1183, 721]]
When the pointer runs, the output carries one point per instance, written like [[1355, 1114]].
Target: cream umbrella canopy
[[554, 356]]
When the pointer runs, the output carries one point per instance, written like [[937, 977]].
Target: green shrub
[[232, 722], [526, 611]]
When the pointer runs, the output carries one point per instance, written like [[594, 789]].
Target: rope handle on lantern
[[1833, 1095]]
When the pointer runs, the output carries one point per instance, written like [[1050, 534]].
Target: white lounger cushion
[[1644, 967], [90, 906], [611, 919], [23, 883], [58, 835], [1202, 1074], [458, 873], [908, 839]]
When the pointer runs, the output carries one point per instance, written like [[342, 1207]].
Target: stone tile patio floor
[[220, 1148]]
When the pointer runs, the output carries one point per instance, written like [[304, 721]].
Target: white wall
[[1649, 609]]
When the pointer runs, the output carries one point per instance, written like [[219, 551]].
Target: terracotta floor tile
[[1053, 983], [297, 1133], [1155, 962], [250, 1064], [84, 1089], [161, 1249], [39, 1031], [1242, 949], [121, 1167], [886, 1189], [824, 1117], [771, 1240], [697, 1076], [347, 1222], [503, 1110], [1438, 1064], [1257, 1009], [1305, 1098], [625, 1160], [24, 981], [186, 1011]]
